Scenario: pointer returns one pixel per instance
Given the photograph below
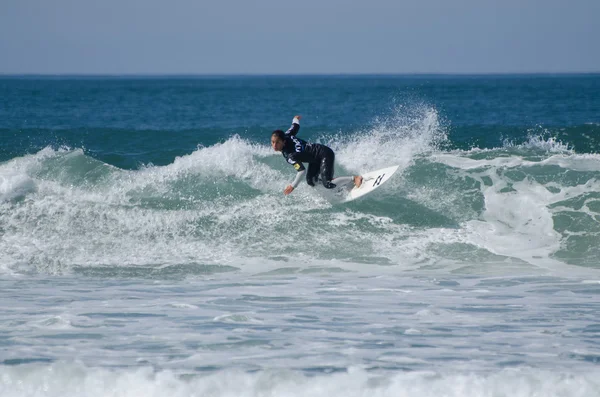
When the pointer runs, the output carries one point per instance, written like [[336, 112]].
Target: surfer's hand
[[288, 190]]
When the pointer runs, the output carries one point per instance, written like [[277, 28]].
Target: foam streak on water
[[529, 335]]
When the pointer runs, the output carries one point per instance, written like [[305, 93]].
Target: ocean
[[147, 248]]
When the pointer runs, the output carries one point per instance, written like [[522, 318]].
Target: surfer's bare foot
[[358, 180]]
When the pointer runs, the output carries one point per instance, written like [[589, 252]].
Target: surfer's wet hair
[[279, 134]]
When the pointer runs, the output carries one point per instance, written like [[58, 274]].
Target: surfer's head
[[277, 140]]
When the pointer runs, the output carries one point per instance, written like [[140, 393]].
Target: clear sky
[[306, 36]]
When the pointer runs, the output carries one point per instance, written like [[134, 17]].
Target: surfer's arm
[[293, 130], [290, 188], [299, 176], [298, 166]]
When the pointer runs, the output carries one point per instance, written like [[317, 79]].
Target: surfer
[[296, 151]]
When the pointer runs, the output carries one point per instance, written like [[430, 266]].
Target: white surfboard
[[346, 191]]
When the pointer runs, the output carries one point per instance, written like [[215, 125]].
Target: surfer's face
[[276, 144]]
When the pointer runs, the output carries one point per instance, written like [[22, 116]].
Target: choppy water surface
[[146, 247]]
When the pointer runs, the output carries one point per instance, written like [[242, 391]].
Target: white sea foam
[[396, 140], [539, 141], [518, 219], [15, 186], [15, 179], [64, 380]]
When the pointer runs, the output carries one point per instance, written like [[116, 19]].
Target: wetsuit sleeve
[[298, 178], [293, 130], [298, 166]]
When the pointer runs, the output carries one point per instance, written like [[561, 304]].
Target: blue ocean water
[[146, 247]]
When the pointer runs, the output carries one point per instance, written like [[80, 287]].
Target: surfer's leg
[[346, 180], [327, 168], [311, 173], [343, 180]]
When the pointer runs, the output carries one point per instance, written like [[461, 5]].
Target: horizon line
[[309, 74]]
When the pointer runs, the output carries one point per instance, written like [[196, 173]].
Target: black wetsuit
[[320, 158]]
